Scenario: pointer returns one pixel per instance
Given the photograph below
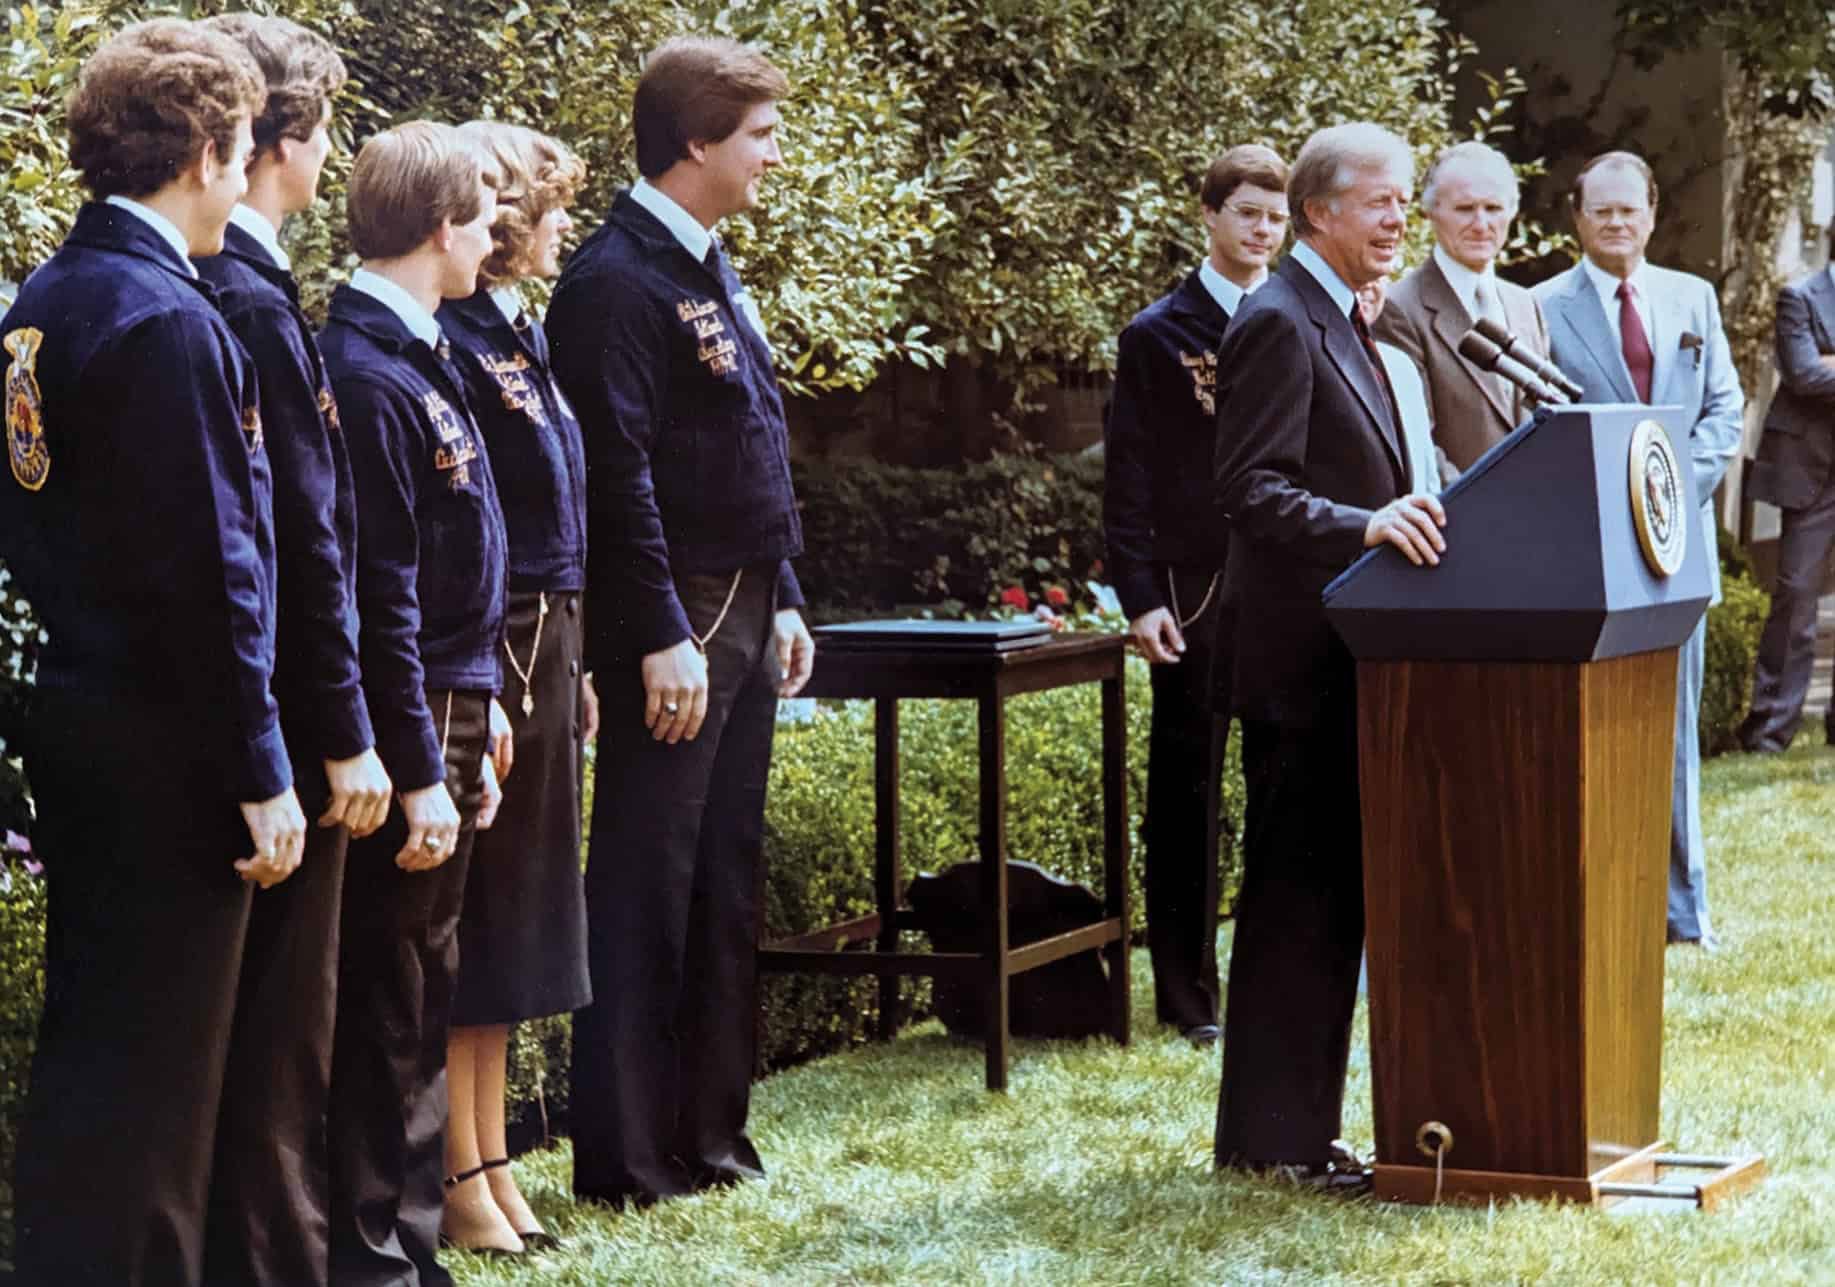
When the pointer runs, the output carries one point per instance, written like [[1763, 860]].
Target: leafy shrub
[[880, 537], [1734, 626], [22, 997]]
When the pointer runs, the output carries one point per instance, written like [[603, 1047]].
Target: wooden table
[[869, 944]]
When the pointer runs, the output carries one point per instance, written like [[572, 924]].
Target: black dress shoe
[[1202, 1034]]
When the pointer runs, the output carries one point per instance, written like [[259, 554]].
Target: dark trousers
[[1298, 944], [1787, 648], [662, 1058], [270, 1186], [397, 964], [1184, 777], [145, 929]]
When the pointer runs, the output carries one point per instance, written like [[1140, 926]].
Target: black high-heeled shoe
[[448, 1244], [533, 1239]]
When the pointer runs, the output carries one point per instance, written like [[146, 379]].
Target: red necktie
[[1376, 361], [1635, 343]]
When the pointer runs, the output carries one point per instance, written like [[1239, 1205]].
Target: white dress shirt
[[508, 302], [418, 320], [1228, 294], [256, 225], [159, 224], [1607, 286], [1465, 284], [687, 229]]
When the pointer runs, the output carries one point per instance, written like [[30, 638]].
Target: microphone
[[1487, 356], [1515, 348]]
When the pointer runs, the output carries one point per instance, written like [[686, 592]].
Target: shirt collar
[[159, 224], [1228, 294], [1607, 285], [256, 225], [1463, 280], [687, 229], [418, 320], [508, 302], [1313, 262]]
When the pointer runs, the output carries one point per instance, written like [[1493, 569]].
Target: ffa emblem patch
[[1203, 368], [513, 384], [445, 420], [25, 427], [689, 309], [1657, 499], [328, 409], [251, 428]]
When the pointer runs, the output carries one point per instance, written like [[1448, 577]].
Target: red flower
[[1015, 597], [1055, 596]]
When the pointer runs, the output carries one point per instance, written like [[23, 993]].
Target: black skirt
[[522, 935]]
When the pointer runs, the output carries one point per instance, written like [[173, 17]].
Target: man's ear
[[697, 151], [205, 167], [442, 236]]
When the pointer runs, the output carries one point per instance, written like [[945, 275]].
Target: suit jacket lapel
[[1192, 297], [1339, 339], [1822, 305], [1451, 322], [1581, 312]]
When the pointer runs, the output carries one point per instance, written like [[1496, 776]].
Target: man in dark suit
[[1795, 461], [1311, 470], [1629, 331], [1470, 197], [1166, 542]]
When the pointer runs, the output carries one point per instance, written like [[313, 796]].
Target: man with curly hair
[[138, 520], [271, 1158]]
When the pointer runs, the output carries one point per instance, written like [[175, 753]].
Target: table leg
[[887, 880], [1115, 843], [993, 791]]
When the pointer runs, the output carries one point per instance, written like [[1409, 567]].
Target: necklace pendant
[[528, 704]]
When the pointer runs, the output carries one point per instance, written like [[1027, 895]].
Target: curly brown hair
[[302, 68], [405, 183], [532, 174], [151, 97]]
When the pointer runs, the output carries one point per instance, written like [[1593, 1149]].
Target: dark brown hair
[[532, 174], [696, 89], [1576, 195], [405, 183], [1249, 163], [302, 68], [151, 97]]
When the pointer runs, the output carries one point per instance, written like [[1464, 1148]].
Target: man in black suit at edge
[[1311, 470]]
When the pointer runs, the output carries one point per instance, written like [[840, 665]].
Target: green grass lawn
[[892, 1165]]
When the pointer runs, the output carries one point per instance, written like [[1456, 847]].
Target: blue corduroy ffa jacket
[[431, 546], [137, 515], [687, 453]]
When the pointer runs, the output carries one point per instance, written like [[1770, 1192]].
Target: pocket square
[[1692, 343]]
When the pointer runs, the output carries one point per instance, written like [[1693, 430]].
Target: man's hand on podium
[[1412, 524], [1156, 634]]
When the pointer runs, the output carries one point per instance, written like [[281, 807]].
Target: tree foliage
[[998, 181]]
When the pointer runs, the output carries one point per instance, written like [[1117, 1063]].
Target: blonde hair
[[532, 174], [406, 182]]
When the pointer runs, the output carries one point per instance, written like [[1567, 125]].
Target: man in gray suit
[[1796, 457], [1471, 197], [1628, 331]]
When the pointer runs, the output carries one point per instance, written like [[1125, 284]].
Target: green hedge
[[879, 538], [1732, 645]]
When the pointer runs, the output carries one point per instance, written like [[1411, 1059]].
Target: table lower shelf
[[851, 948]]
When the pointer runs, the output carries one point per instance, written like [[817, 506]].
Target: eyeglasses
[[1253, 216], [1614, 214]]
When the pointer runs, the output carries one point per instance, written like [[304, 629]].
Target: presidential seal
[[25, 424], [1659, 498]]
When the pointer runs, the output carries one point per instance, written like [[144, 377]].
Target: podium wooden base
[[1646, 1174]]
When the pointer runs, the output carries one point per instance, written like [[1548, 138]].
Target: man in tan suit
[[1470, 197]]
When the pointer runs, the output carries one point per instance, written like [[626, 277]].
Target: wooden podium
[[1516, 729]]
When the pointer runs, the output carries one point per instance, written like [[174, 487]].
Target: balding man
[[1470, 197], [1312, 469]]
